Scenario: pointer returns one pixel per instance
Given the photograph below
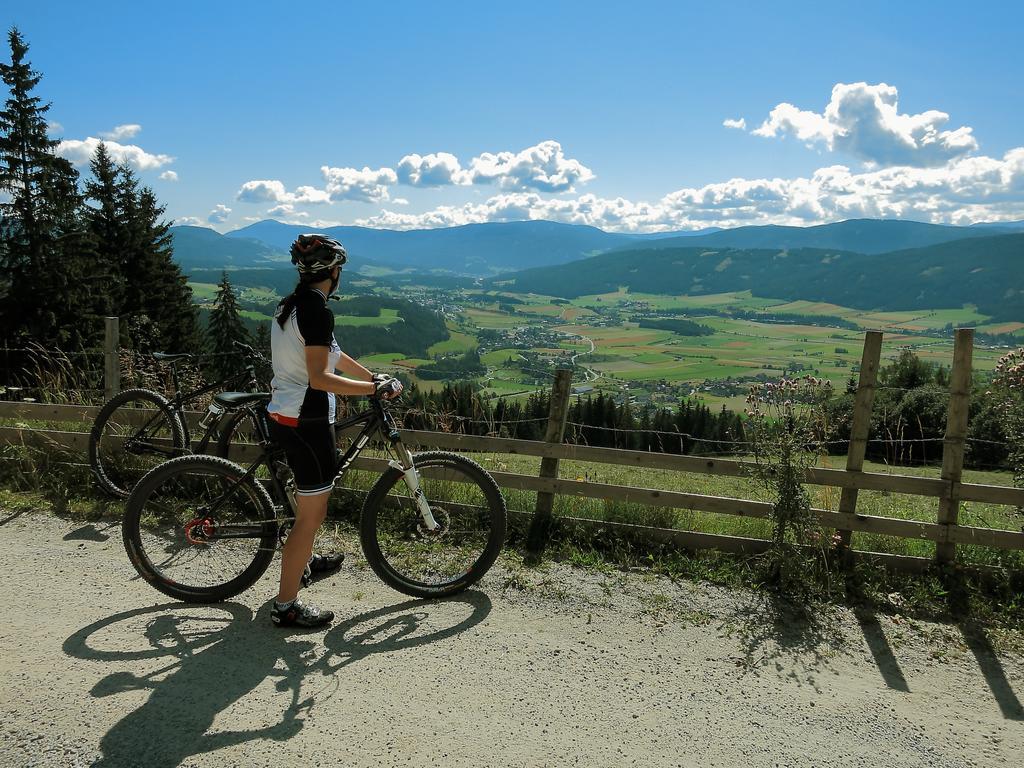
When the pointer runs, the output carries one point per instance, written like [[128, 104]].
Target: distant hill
[[1016, 226], [985, 271], [857, 235], [202, 248], [475, 249], [486, 250]]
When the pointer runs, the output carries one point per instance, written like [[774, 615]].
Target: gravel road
[[557, 667]]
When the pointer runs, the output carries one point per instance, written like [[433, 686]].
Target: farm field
[[664, 365], [612, 353]]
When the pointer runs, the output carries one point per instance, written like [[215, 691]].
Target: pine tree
[[105, 223], [25, 153], [168, 298], [225, 328], [46, 259], [136, 250], [262, 340]]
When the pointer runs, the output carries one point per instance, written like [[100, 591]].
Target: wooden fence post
[[557, 414], [956, 434], [861, 426], [111, 357]]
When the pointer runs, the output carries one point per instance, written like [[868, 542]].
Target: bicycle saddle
[[165, 357], [232, 400]]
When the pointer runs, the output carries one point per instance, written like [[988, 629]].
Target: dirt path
[[551, 668]]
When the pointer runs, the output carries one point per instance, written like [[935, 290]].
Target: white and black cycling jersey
[[311, 324]]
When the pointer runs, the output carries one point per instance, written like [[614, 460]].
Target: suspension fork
[[404, 464]]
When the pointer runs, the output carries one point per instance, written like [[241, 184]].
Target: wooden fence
[[948, 490]]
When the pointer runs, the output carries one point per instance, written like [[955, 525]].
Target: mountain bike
[[138, 429], [203, 528]]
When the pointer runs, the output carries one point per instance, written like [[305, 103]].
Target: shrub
[[1008, 393], [787, 427]]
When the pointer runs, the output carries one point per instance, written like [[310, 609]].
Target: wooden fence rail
[[48, 425]]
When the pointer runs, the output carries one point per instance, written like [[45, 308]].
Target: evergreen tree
[[46, 259], [135, 247], [262, 340], [225, 328], [168, 298], [105, 223]]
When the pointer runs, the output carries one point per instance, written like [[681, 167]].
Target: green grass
[[382, 358], [483, 318], [732, 300], [253, 315], [457, 342], [203, 291], [877, 503], [384, 317]]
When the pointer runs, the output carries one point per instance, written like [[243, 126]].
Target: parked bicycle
[[139, 429], [203, 528]]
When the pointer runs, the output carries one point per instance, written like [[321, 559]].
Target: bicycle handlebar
[[252, 353]]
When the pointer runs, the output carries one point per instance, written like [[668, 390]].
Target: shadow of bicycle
[[221, 653]]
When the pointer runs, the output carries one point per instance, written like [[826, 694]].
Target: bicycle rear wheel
[[135, 431], [466, 502], [199, 532], [235, 429]]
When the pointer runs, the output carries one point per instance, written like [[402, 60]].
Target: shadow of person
[[220, 663]]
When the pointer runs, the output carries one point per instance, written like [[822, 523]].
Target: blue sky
[[414, 114]]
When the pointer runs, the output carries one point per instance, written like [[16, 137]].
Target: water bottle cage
[[213, 413]]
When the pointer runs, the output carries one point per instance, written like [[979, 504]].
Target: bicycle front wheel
[[198, 530], [135, 431], [467, 504]]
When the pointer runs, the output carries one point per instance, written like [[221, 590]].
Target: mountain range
[[472, 249], [985, 271], [203, 248], [483, 250], [869, 236], [862, 263]]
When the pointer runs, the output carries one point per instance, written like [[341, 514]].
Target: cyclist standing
[[306, 357]]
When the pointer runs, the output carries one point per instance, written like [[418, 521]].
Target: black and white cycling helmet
[[313, 253]]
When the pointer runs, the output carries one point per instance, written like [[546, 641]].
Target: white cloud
[[543, 167], [965, 191], [740, 123], [261, 191], [219, 214], [399, 201], [169, 176], [519, 206], [863, 120], [434, 170], [53, 128], [122, 132], [314, 224], [273, 191], [364, 185], [286, 210], [81, 152], [191, 221], [311, 195]]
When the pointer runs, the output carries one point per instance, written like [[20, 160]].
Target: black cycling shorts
[[312, 454]]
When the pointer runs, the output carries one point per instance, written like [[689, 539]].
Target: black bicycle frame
[[178, 402], [376, 418]]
